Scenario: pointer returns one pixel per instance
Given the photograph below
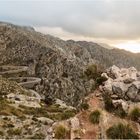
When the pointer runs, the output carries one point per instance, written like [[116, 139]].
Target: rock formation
[[123, 83]]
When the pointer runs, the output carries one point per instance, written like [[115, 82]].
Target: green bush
[[94, 117], [91, 71], [135, 114], [84, 106], [1, 133], [13, 132], [121, 131], [100, 80], [38, 135], [119, 111], [61, 132], [108, 103], [67, 114]]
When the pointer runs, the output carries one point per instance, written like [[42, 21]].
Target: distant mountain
[[106, 46]]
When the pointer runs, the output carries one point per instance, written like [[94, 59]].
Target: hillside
[[50, 88], [60, 63]]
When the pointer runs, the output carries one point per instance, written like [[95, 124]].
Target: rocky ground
[[82, 128], [24, 114]]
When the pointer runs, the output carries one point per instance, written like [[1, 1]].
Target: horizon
[[97, 21]]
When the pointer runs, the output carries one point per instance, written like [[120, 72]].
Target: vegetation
[[1, 133], [91, 71], [67, 114], [121, 131], [48, 100], [54, 108], [44, 111], [13, 131], [135, 114], [61, 132], [94, 72], [84, 106], [95, 117], [119, 111], [38, 136], [100, 80], [108, 103]]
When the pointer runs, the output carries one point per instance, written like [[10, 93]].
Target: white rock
[[75, 124], [115, 71], [45, 120], [107, 88], [104, 75]]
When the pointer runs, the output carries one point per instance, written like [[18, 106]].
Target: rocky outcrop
[[122, 82]]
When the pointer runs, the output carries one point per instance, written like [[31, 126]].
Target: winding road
[[12, 73]]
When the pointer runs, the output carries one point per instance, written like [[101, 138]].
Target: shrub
[[13, 132], [1, 133], [67, 114], [119, 111], [91, 71], [95, 117], [84, 106], [61, 132], [121, 131], [135, 114], [100, 80], [38, 135], [48, 100], [108, 103]]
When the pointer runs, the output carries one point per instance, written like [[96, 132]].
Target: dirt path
[[90, 131]]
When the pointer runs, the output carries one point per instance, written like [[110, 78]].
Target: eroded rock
[[123, 83]]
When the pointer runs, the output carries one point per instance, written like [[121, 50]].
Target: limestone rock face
[[123, 83], [59, 64]]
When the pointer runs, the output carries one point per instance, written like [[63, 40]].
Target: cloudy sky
[[115, 22]]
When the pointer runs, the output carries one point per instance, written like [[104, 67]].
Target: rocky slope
[[59, 63], [24, 114], [38, 70]]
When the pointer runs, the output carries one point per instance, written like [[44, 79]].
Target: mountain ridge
[[60, 64]]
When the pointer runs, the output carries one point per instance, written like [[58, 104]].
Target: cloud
[[92, 19]]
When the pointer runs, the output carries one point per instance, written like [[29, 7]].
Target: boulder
[[119, 88], [132, 93], [114, 71], [107, 88], [45, 120]]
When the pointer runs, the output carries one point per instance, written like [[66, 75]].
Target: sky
[[114, 22]]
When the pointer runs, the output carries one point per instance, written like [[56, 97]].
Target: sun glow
[[130, 46]]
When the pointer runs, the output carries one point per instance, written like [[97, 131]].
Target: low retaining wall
[[7, 70]]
